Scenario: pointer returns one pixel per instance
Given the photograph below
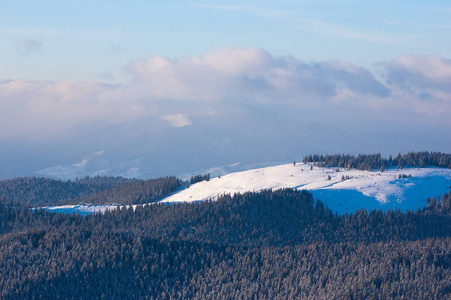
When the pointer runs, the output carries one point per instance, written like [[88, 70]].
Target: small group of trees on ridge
[[198, 178]]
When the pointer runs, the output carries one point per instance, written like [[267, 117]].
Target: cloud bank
[[415, 87], [422, 75]]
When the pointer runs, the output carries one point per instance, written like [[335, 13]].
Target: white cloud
[[430, 71], [44, 108], [422, 81], [227, 77], [253, 74], [177, 120]]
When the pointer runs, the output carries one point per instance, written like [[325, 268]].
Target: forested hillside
[[34, 191], [375, 161], [38, 191], [266, 245]]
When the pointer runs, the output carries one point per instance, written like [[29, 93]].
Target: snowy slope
[[366, 189]]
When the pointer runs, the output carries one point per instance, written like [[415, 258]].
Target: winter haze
[[167, 88]]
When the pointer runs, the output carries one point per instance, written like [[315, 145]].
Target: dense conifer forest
[[38, 191], [266, 245], [375, 161], [33, 191], [280, 244], [134, 192]]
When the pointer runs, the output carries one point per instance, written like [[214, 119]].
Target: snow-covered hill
[[342, 190]]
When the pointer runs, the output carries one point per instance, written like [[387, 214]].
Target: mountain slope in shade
[[95, 164], [151, 147], [155, 146]]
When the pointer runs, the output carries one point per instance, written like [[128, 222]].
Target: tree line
[[376, 161]]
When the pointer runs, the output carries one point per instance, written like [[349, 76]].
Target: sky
[[94, 40], [365, 67]]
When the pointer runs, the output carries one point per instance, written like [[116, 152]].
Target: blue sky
[[94, 40]]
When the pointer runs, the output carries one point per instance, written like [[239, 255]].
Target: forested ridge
[[38, 191], [135, 192], [266, 245], [376, 161]]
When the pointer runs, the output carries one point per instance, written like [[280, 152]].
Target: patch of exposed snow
[[82, 208]]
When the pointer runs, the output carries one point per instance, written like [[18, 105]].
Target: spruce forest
[[281, 244]]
